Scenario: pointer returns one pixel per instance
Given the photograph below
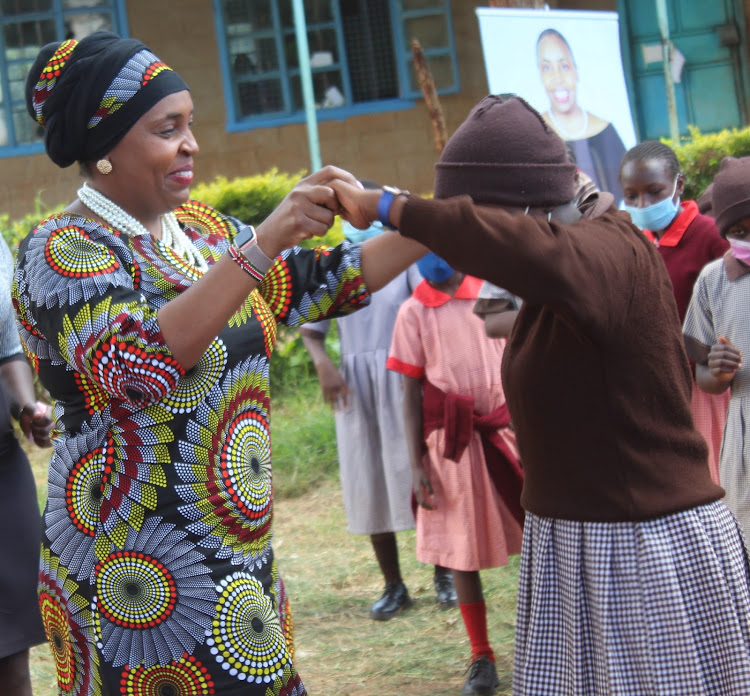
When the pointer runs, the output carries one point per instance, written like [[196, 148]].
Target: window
[[360, 56], [26, 26]]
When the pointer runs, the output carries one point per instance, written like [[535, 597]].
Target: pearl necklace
[[566, 134], [172, 235]]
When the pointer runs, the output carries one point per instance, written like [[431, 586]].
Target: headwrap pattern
[[88, 94], [49, 76], [136, 73]]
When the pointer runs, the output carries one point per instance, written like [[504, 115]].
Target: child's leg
[[482, 679], [474, 612], [386, 552]]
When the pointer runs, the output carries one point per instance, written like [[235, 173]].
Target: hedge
[[700, 155]]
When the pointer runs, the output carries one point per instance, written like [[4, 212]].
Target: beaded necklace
[[172, 235], [566, 134]]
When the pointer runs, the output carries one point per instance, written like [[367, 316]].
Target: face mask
[[356, 236], [433, 268], [657, 216], [740, 249]]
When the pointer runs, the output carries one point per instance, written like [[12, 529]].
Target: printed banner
[[567, 65]]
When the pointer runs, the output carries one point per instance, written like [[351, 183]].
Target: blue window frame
[[26, 26], [360, 55]]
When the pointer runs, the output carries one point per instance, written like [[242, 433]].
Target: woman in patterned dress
[[151, 319]]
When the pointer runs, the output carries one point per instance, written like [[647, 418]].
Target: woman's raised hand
[[308, 210]]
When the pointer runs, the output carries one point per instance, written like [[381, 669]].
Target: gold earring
[[104, 166]]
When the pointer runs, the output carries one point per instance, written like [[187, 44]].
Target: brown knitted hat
[[504, 153], [731, 192]]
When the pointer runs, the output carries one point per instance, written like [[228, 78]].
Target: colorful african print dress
[[157, 573]]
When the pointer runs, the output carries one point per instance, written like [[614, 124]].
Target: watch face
[[244, 235]]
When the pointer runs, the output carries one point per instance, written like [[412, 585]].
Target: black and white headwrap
[[88, 94]]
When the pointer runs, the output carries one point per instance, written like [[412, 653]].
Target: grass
[[332, 578]]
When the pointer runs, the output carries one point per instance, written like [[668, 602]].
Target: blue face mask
[[657, 216], [356, 236], [433, 268]]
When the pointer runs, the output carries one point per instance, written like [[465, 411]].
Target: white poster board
[[567, 65]]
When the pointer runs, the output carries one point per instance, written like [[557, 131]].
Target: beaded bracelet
[[241, 260]]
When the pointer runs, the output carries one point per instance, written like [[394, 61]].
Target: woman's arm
[[192, 320], [387, 255]]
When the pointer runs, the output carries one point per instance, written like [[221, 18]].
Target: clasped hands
[[310, 209]]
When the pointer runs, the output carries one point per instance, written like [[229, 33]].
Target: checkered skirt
[[657, 608]]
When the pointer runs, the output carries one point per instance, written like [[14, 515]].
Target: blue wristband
[[385, 203]]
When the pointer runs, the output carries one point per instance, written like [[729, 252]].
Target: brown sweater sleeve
[[583, 270]]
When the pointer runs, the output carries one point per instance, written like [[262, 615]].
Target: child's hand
[[36, 422], [422, 487], [724, 359], [334, 388]]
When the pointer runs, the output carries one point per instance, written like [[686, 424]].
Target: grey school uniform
[[373, 457], [719, 307]]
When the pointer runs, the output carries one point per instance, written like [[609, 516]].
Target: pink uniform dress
[[440, 339]]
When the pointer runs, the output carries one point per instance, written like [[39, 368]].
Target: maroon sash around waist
[[455, 414]]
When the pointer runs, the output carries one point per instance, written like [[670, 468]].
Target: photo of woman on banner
[[596, 144]]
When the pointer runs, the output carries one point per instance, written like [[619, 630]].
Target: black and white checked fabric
[[655, 608]]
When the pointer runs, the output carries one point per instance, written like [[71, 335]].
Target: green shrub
[[700, 155], [253, 198], [15, 230]]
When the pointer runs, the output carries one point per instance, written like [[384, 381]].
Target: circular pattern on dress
[[83, 491], [148, 373], [277, 288], [267, 321], [246, 638], [56, 628], [134, 590], [197, 382], [184, 677], [94, 397], [136, 593], [71, 253], [226, 466], [204, 219], [70, 629], [244, 465]]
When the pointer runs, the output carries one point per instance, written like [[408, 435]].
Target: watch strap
[[384, 205], [249, 255]]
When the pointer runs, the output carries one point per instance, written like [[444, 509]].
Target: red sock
[[475, 620]]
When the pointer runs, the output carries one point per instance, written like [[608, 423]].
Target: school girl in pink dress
[[466, 474]]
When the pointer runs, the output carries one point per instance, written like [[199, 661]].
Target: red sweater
[[686, 246], [595, 373]]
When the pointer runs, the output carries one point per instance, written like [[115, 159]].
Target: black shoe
[[394, 600], [446, 592], [482, 678]]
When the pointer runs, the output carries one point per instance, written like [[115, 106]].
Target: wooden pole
[[427, 84]]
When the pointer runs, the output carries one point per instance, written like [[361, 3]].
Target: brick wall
[[392, 147]]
